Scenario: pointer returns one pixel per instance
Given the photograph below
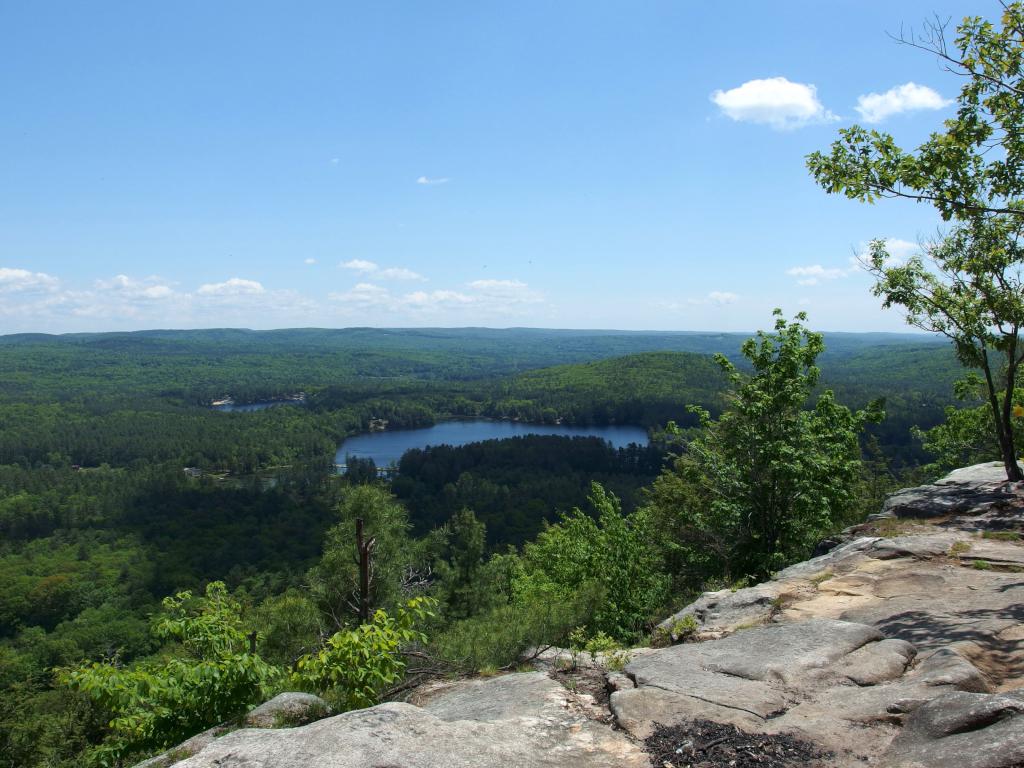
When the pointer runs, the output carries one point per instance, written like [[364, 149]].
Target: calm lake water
[[247, 407], [386, 448]]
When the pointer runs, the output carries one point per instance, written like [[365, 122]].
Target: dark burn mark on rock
[[706, 744]]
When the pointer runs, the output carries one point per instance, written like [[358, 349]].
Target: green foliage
[[159, 703], [289, 624], [968, 436], [763, 483], [684, 628], [971, 289], [514, 485], [98, 521], [356, 665], [463, 590], [498, 637], [335, 580], [954, 169], [611, 552]]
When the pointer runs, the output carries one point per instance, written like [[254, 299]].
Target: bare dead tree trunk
[[365, 549]]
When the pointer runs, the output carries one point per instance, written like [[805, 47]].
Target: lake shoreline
[[386, 447]]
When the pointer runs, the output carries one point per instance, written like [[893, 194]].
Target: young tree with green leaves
[[155, 704], [760, 486], [608, 551], [355, 666], [969, 286]]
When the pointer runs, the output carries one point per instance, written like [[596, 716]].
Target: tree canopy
[[968, 284]]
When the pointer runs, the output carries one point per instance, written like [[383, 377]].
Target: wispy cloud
[[899, 250], [14, 280], [813, 274], [236, 286], [125, 287], [359, 265], [371, 268], [909, 97], [775, 101], [309, 261], [398, 273], [427, 180], [486, 297], [716, 298]]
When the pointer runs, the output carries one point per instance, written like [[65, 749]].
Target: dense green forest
[[100, 522]]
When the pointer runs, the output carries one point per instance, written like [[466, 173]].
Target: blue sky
[[634, 165]]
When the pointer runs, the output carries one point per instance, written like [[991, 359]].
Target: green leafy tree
[[968, 435], [955, 169], [971, 288], [158, 703], [608, 550], [355, 666], [759, 486], [972, 291]]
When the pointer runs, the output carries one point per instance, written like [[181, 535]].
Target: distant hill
[[647, 389], [484, 351]]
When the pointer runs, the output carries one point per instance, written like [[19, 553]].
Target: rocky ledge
[[902, 647]]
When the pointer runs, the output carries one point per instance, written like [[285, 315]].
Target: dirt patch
[[706, 744], [585, 680]]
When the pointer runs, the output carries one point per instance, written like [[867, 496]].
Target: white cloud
[[428, 180], [130, 288], [434, 299], [718, 298], [335, 160], [815, 273], [236, 286], [363, 294], [21, 280], [722, 297], [365, 267], [398, 273], [359, 265], [487, 297], [309, 261], [909, 97], [774, 101], [900, 250], [497, 285]]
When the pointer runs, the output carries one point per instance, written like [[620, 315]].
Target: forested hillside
[[100, 522]]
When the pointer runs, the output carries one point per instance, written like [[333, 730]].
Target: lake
[[386, 448], [249, 407]]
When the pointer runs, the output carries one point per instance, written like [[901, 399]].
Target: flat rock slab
[[405, 736], [529, 694], [971, 489], [899, 651]]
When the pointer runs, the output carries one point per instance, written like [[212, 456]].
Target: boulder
[[400, 735], [961, 730], [287, 709], [970, 489]]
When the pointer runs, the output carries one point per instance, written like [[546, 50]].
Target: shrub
[[356, 665], [157, 704]]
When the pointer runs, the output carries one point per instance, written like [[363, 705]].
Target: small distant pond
[[386, 448], [248, 407]]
